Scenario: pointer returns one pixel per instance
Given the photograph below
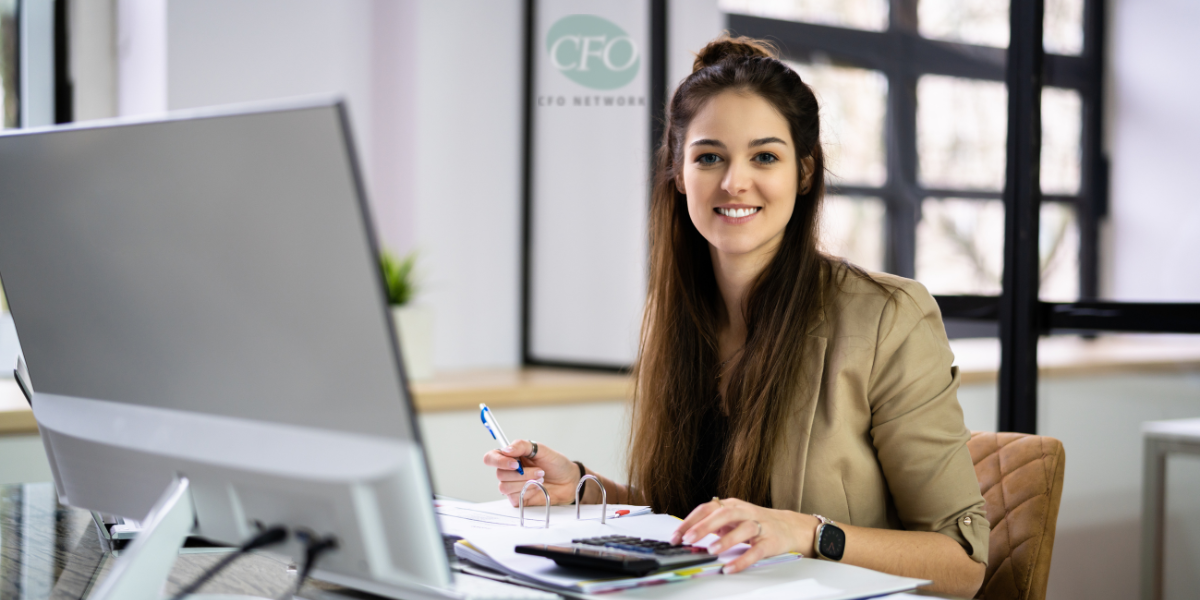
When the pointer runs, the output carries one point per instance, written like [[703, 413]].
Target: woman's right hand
[[555, 471]]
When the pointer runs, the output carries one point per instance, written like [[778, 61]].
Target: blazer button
[[967, 520]]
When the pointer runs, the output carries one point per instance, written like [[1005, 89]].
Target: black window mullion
[[800, 41], [1020, 322], [903, 198], [1093, 185]]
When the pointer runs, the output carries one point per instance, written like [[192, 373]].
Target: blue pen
[[493, 427]]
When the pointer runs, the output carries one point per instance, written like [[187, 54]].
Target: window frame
[[903, 56]]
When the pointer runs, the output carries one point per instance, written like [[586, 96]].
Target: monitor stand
[[142, 568]]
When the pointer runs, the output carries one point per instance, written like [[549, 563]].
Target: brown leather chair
[[1021, 478]]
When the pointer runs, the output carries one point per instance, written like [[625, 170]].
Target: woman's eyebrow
[[767, 140], [708, 142]]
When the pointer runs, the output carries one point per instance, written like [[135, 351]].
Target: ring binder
[[545, 493], [603, 497]]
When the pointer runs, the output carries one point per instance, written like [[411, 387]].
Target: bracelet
[[582, 472], [821, 522]]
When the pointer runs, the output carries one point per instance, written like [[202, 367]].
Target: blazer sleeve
[[917, 423]]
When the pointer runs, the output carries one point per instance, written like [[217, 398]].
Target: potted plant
[[413, 322]]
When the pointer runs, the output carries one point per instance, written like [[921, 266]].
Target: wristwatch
[[830, 541]]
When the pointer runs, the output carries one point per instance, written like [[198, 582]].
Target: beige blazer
[[876, 436]]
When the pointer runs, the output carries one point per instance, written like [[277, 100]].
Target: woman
[[780, 382]]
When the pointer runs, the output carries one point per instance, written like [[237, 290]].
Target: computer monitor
[[199, 295]]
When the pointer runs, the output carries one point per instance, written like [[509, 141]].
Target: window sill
[[978, 361], [1072, 356], [462, 390]]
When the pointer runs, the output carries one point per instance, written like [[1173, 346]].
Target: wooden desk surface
[[978, 361]]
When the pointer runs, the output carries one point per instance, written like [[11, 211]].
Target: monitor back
[[219, 263], [200, 296]]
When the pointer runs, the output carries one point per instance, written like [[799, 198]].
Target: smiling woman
[[813, 402]]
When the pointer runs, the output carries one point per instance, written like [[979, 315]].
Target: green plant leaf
[[398, 277]]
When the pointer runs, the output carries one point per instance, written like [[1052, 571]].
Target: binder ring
[[603, 497], [544, 492]]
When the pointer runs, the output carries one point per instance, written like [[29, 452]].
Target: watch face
[[833, 542]]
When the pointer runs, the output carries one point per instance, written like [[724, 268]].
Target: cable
[[267, 537], [314, 547]]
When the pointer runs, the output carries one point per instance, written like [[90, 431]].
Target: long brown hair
[[676, 371]]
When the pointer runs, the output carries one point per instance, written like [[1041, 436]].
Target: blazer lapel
[[791, 450]]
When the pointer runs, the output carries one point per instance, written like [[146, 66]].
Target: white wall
[[93, 61], [593, 433], [690, 25], [23, 460], [141, 57], [468, 157], [231, 51], [434, 91], [1155, 217]]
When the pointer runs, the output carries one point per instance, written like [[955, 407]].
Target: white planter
[[414, 333]]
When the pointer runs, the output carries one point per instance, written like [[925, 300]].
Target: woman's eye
[[766, 158], [708, 159]]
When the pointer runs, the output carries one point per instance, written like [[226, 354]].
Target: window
[[914, 119]]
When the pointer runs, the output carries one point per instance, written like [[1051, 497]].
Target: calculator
[[620, 554]]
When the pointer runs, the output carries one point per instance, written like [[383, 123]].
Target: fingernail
[[689, 538], [541, 480], [514, 465], [714, 549], [507, 449], [541, 473]]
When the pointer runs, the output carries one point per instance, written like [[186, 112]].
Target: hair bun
[[726, 47]]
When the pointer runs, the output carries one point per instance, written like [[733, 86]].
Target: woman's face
[[740, 174]]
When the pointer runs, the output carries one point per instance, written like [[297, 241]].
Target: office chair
[[1021, 478]]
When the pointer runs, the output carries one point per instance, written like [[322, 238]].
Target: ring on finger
[[535, 449], [718, 501], [759, 534]]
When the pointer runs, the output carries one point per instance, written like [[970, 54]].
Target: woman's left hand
[[768, 531]]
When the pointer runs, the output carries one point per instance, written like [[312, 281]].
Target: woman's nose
[[736, 181]]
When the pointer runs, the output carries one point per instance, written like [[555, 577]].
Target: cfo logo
[[593, 52]]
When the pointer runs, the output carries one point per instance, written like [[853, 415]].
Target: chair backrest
[[1021, 478]]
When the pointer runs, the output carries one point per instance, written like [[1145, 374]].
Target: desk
[[51, 551], [1161, 439]]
